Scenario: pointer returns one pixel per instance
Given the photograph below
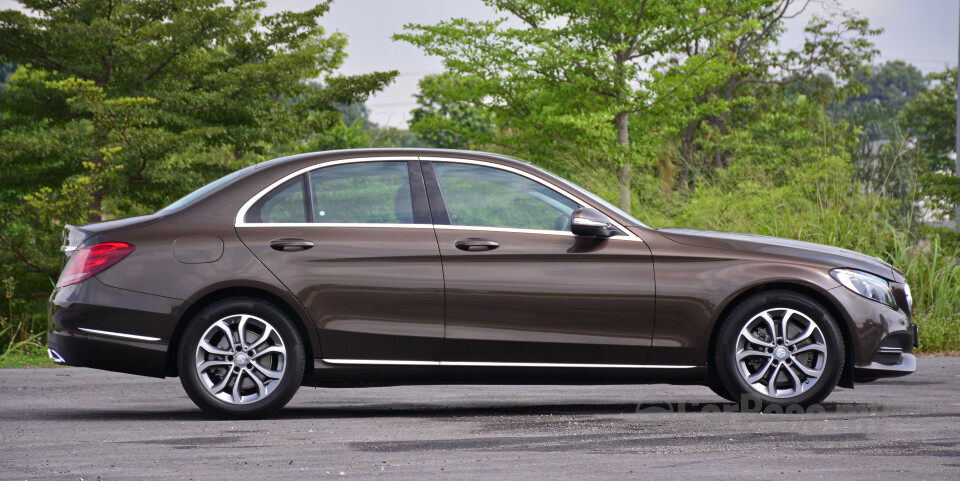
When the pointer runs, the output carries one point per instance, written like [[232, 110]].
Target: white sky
[[921, 32]]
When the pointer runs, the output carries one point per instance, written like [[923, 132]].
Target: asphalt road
[[85, 424]]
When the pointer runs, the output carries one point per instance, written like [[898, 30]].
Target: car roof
[[387, 152]]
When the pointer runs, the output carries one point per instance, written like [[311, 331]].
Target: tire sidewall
[[294, 367], [725, 353]]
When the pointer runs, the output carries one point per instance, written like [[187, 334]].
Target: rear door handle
[[290, 244], [474, 244]]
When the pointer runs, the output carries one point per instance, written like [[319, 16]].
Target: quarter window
[[489, 197], [282, 205]]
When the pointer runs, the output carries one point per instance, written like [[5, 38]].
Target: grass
[[939, 334], [32, 356]]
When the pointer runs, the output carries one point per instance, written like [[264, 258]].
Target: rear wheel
[[780, 347], [240, 358]]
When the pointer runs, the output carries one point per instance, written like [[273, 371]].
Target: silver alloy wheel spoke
[[242, 332], [749, 352], [750, 337], [266, 372], [797, 383], [267, 331], [206, 346], [771, 326], [239, 374], [261, 389], [806, 370], [223, 383], [772, 383], [203, 366], [771, 361], [760, 372], [811, 347], [804, 335], [266, 351], [784, 323]]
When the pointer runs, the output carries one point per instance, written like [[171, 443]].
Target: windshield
[[591, 196], [202, 192]]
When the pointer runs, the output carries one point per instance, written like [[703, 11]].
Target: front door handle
[[288, 244], [474, 244]]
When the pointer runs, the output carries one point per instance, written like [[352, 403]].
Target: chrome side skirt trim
[[120, 334], [376, 362], [556, 364]]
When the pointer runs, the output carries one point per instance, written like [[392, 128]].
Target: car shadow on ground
[[478, 409]]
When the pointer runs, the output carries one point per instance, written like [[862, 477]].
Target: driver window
[[484, 196]]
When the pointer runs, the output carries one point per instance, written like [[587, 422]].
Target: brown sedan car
[[385, 267]]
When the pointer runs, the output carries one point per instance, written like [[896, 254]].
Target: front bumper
[[102, 327], [882, 339]]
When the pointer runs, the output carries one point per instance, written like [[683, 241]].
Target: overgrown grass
[[26, 356], [22, 329]]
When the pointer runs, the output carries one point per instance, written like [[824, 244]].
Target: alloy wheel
[[781, 353], [241, 359]]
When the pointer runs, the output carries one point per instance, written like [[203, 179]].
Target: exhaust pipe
[[56, 357]]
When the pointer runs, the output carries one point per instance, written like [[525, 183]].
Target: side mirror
[[587, 222]]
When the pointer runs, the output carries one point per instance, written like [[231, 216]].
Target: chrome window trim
[[379, 362], [119, 334], [239, 221], [335, 224]]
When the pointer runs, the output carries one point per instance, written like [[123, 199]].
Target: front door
[[521, 289], [355, 244]]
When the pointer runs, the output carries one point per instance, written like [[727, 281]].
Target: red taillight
[[92, 260]]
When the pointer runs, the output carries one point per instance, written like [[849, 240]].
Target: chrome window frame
[[241, 214]]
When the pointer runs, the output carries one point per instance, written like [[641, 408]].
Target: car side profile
[[418, 266]]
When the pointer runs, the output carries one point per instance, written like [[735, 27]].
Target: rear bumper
[[102, 327]]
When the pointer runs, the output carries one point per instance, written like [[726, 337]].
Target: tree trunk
[[96, 207], [624, 171]]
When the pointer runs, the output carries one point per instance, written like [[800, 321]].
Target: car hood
[[827, 255]]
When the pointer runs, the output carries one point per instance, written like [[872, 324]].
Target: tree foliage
[[597, 78], [120, 106]]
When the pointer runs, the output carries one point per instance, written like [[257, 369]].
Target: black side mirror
[[587, 222]]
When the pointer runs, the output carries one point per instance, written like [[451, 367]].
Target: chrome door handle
[[290, 244], [474, 244]]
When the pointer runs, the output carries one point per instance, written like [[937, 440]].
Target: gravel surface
[[73, 423]]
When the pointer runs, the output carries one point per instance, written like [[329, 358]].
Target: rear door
[[353, 241]]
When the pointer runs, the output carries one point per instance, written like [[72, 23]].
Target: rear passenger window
[[362, 193], [357, 193]]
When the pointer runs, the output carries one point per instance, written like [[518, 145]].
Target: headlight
[[867, 285]]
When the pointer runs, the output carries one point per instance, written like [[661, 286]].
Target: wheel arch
[[301, 321], [846, 376]]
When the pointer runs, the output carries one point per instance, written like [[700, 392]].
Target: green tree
[[120, 106], [828, 63], [931, 120], [601, 79], [891, 86], [449, 123]]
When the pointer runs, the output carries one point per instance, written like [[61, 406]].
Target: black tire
[[285, 361], [713, 382], [732, 374]]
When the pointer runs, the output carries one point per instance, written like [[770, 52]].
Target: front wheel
[[240, 358], [780, 347]]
